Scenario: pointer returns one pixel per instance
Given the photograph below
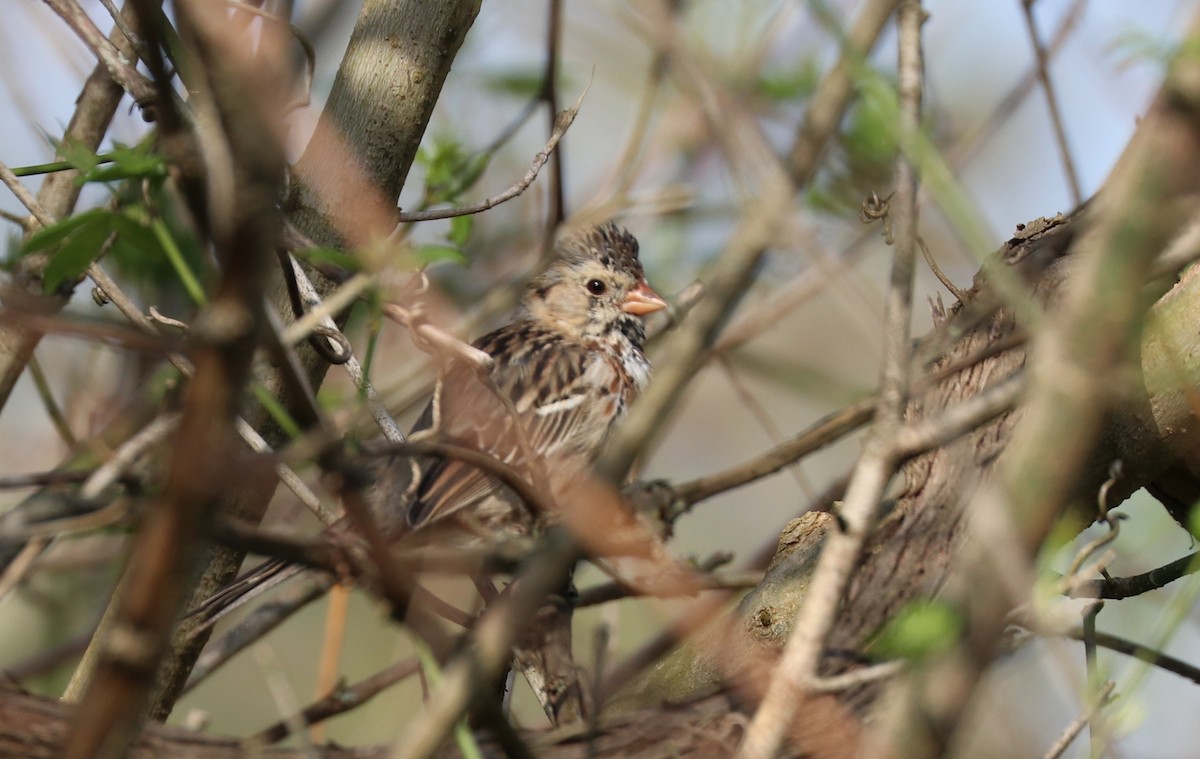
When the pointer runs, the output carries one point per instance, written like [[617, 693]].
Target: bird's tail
[[241, 591]]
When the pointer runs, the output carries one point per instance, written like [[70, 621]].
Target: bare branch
[[557, 210], [797, 667], [561, 124], [1072, 731], [1056, 120], [824, 432], [96, 106], [261, 621], [1138, 651], [53, 410], [1125, 587], [615, 591], [387, 425], [25, 197], [119, 67], [342, 699], [928, 434]]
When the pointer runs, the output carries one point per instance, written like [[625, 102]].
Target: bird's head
[[595, 285]]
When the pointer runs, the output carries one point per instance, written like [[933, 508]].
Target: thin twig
[[1072, 731], [557, 210], [284, 696], [160, 318], [387, 425], [561, 124], [797, 667], [132, 312], [1093, 671], [57, 418], [121, 70], [41, 479], [1124, 587], [258, 623], [762, 416], [340, 700], [128, 453], [492, 642], [333, 640], [954, 422], [1056, 121], [932, 263], [122, 24], [22, 221], [855, 678], [1137, 650], [986, 127], [1111, 520], [20, 565], [24, 196], [615, 591], [822, 433]]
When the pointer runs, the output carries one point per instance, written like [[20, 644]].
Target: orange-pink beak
[[642, 300]]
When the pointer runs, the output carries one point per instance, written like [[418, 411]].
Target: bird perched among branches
[[563, 373]]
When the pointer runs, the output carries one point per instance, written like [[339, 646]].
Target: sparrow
[[564, 371]]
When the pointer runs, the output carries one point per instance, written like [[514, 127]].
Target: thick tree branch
[[349, 179]]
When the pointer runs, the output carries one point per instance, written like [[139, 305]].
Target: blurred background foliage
[[640, 147]]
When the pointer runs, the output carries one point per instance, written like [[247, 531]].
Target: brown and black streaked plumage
[[569, 363], [565, 370]]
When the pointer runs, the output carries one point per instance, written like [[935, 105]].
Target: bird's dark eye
[[596, 286]]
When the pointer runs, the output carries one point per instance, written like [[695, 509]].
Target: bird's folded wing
[[545, 416]]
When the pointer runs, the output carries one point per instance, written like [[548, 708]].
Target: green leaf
[[440, 160], [521, 82], [789, 84], [48, 237], [132, 231], [79, 250], [460, 230], [920, 629], [136, 162], [433, 253], [449, 169], [80, 156]]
